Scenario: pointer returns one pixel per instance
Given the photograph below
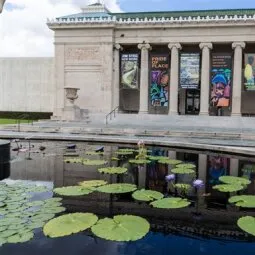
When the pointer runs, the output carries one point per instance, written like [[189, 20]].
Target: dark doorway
[[192, 101]]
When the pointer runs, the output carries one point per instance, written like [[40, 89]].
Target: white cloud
[[23, 29]]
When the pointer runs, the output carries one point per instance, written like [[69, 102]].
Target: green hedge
[[26, 115]]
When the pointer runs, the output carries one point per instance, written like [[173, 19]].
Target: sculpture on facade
[[2, 5]]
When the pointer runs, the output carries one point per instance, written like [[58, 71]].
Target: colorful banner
[[221, 80], [249, 72], [129, 71], [190, 70], [159, 80]]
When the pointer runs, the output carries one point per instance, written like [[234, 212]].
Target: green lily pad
[[92, 183], [228, 187], [20, 238], [8, 221], [53, 210], [90, 162], [186, 166], [169, 161], [69, 224], [247, 224], [156, 158], [247, 201], [112, 170], [2, 241], [117, 188], [183, 186], [36, 224], [180, 170], [170, 203], [43, 217], [51, 204], [72, 191], [8, 233], [234, 180], [139, 161], [115, 159], [16, 227], [147, 195], [121, 228], [2, 198], [73, 160], [126, 150], [123, 153], [35, 203]]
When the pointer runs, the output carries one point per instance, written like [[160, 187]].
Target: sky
[[24, 33]]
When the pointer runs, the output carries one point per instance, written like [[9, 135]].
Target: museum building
[[181, 62]]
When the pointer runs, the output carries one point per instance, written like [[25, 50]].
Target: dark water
[[208, 226]]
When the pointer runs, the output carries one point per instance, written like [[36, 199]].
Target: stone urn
[[71, 94], [71, 111]]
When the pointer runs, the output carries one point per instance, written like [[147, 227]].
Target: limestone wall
[[27, 84]]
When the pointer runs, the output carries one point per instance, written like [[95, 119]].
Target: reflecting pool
[[207, 226]]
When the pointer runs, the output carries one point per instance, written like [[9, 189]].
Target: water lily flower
[[140, 143], [198, 183], [170, 177]]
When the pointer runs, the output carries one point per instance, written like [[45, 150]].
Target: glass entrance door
[[192, 101]]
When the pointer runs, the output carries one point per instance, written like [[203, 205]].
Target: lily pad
[[35, 203], [139, 161], [115, 159], [234, 180], [169, 161], [53, 199], [92, 183], [170, 203], [16, 227], [180, 170], [20, 238], [123, 153], [69, 224], [53, 210], [3, 228], [126, 150], [186, 166], [73, 160], [117, 188], [2, 241], [72, 191], [183, 186], [228, 187], [7, 233], [121, 228], [247, 224], [156, 158], [147, 195], [90, 162], [247, 201], [113, 170]]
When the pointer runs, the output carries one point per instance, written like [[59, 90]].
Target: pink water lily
[[170, 177]]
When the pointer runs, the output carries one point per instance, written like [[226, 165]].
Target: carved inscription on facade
[[82, 54]]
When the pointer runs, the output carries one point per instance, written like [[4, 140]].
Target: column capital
[[145, 46], [205, 45], [174, 45], [117, 46], [238, 44]]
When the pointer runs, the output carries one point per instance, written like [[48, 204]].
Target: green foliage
[[72, 191], [147, 195], [20, 238], [247, 224], [74, 160], [117, 188], [156, 158], [112, 170], [122, 228], [115, 159], [90, 162], [139, 161], [180, 170], [170, 203], [247, 201], [234, 180], [124, 153], [69, 224], [228, 187], [182, 186]]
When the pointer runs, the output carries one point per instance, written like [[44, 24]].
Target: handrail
[[110, 114], [22, 117]]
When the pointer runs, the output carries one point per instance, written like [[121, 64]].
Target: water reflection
[[216, 218]]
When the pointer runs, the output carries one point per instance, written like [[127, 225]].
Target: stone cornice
[[150, 21]]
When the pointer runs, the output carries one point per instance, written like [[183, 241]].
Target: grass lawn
[[12, 121]]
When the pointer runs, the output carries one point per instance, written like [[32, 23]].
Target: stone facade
[[88, 46]]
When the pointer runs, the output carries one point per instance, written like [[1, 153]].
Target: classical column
[[144, 77], [205, 78], [202, 170], [116, 76], [174, 78], [237, 78], [234, 167]]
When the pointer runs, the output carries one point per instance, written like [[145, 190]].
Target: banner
[[249, 72], [129, 71], [221, 79], [190, 70], [159, 80]]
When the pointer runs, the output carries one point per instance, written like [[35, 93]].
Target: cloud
[[23, 29]]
